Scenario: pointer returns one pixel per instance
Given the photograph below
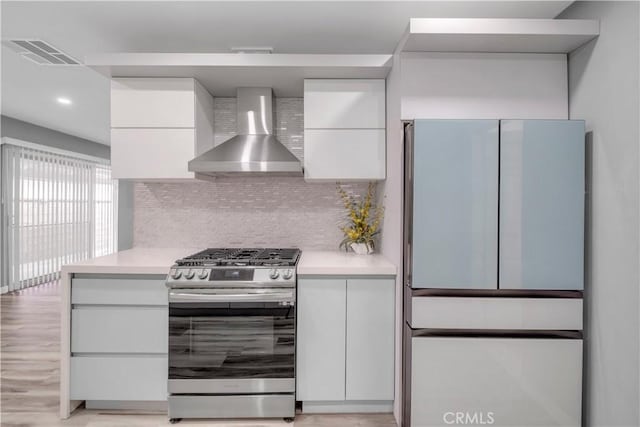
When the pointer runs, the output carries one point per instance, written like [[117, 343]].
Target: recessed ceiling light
[[64, 101]]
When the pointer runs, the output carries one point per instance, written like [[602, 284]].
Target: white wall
[[604, 90], [484, 86], [458, 85]]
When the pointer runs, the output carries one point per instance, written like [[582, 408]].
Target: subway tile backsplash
[[242, 211]]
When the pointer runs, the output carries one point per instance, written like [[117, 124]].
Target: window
[[57, 209]]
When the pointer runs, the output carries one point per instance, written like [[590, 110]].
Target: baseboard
[[347, 406], [138, 406]]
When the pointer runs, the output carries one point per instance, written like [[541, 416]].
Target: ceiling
[[29, 91]]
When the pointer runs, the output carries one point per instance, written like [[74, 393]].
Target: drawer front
[[496, 381], [152, 102], [496, 313], [119, 291], [119, 330], [119, 378]]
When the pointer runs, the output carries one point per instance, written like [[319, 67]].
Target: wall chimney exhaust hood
[[254, 150]]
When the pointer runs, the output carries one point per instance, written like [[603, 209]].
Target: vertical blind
[[57, 209]]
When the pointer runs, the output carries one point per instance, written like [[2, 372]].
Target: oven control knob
[[287, 274], [176, 274], [189, 274], [274, 273], [202, 274]]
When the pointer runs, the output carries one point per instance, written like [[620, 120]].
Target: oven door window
[[231, 340]]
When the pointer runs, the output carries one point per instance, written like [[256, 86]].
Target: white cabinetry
[[157, 126], [344, 137], [151, 153], [370, 339], [321, 339], [345, 344], [118, 339], [344, 104]]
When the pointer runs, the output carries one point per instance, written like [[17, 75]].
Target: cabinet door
[[455, 204], [344, 104], [344, 154], [370, 339], [320, 340], [152, 153], [500, 381], [152, 102], [541, 204]]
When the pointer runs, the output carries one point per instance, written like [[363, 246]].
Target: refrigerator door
[[453, 229], [542, 188], [510, 382]]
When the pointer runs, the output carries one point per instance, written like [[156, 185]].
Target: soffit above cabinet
[[498, 35], [223, 73]]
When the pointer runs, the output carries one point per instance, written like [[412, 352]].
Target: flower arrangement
[[363, 220]]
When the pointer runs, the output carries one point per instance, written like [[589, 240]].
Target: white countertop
[[158, 261], [132, 261], [344, 264]]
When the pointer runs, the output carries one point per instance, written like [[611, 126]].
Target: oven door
[[227, 341]]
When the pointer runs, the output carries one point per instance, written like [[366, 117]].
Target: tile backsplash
[[242, 211]]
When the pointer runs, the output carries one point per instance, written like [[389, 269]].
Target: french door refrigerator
[[494, 238]]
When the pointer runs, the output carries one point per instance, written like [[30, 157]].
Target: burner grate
[[242, 257]]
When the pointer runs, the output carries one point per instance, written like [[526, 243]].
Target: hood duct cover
[[254, 150]]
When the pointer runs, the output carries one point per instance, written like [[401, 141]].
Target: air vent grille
[[40, 52]]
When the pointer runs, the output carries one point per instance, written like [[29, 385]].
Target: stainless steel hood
[[254, 150]]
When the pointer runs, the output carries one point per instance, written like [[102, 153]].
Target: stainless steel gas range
[[232, 334]]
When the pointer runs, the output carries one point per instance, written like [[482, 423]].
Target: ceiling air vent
[[40, 52]]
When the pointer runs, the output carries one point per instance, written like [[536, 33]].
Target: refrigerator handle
[[408, 199]]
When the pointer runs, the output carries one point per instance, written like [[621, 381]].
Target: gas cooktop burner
[[242, 256]]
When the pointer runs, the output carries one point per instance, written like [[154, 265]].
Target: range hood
[[254, 150]]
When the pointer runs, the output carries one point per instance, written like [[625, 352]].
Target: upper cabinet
[[344, 137], [152, 103], [344, 104], [157, 126]]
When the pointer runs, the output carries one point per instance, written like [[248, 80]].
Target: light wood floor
[[29, 375]]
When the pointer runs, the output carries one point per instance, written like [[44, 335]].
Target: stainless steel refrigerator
[[494, 244]]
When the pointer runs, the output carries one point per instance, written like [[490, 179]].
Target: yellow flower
[[363, 217]]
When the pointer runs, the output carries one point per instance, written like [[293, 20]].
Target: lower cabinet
[[118, 339], [115, 377], [345, 344]]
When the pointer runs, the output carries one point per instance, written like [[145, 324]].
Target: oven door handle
[[223, 297]]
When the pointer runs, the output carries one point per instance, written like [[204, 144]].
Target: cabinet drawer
[[152, 102], [119, 330], [152, 153], [496, 313], [344, 104], [119, 378], [119, 291], [344, 154]]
